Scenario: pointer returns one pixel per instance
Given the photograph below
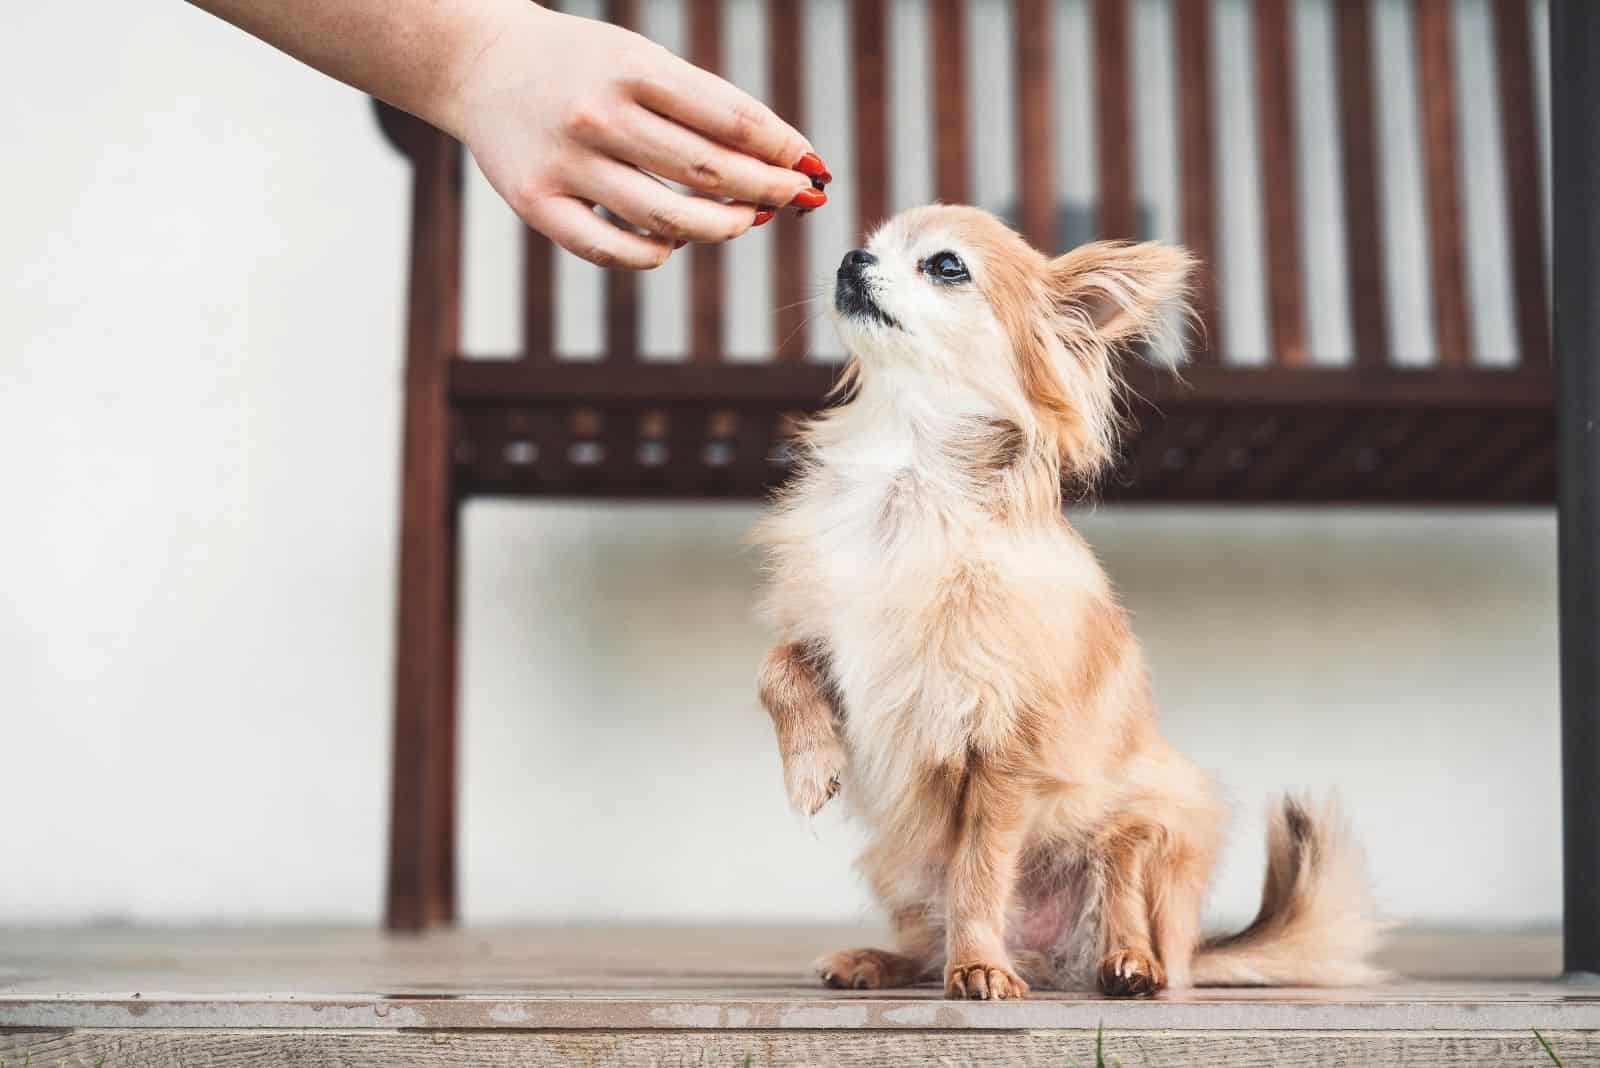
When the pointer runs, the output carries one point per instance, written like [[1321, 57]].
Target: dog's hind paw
[[1128, 973], [867, 969]]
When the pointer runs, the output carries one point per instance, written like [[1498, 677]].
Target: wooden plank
[[705, 279], [754, 442], [947, 62], [171, 1048], [1446, 245], [869, 103], [1036, 183], [790, 269], [803, 385], [1279, 181], [446, 755], [1306, 436], [1118, 213], [1191, 39], [1363, 221], [1532, 480], [538, 296], [686, 437], [561, 975], [1498, 448], [1440, 437], [622, 287], [539, 289], [1524, 182], [421, 874]]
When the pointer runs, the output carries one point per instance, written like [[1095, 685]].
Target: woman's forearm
[[411, 53]]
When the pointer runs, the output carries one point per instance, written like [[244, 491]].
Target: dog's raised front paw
[[1127, 973], [811, 775], [981, 982]]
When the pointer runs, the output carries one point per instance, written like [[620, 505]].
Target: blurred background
[[204, 253]]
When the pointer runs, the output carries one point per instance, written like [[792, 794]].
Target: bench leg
[[422, 851], [1575, 101], [422, 880]]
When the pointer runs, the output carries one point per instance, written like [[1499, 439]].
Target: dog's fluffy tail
[[1316, 926]]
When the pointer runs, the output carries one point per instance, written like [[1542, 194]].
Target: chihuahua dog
[[952, 652]]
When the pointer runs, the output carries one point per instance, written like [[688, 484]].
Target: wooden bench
[[1463, 430]]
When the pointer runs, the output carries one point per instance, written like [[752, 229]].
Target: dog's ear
[[1122, 292], [1098, 299]]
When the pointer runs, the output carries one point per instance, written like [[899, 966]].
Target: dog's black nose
[[855, 261]]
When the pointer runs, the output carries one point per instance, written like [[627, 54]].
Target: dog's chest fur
[[930, 606]]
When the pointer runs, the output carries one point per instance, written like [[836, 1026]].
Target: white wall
[[202, 257]]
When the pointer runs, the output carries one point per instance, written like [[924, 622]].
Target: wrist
[[467, 75]]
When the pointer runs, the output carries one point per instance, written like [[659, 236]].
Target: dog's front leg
[[983, 870], [799, 698]]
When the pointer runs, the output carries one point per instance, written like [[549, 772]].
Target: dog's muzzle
[[852, 288]]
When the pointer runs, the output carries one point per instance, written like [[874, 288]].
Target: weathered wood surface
[[861, 1049], [739, 979], [717, 996], [617, 959]]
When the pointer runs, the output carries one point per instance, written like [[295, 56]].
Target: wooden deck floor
[[723, 996]]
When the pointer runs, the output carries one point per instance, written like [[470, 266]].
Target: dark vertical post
[[421, 885], [1575, 138]]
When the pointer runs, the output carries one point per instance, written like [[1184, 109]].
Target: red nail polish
[[809, 198], [811, 166], [676, 245], [764, 216]]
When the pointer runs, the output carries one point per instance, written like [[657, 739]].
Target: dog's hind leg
[[1128, 964], [915, 958]]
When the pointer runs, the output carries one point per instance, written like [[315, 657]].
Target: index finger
[[723, 112]]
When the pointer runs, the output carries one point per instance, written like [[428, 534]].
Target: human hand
[[564, 113]]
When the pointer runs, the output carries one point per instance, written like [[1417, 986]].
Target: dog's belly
[[1054, 920]]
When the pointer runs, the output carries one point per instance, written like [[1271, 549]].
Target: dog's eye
[[946, 268]]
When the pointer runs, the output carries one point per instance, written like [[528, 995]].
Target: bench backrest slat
[[1524, 181], [622, 287], [790, 266], [1447, 260], [947, 96], [1280, 198], [1364, 254], [1191, 40], [1036, 181], [705, 287], [869, 101], [1118, 209]]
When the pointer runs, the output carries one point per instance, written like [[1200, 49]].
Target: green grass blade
[[1548, 1051]]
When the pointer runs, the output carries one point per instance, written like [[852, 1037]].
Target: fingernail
[[764, 216], [809, 198], [811, 166], [676, 245]]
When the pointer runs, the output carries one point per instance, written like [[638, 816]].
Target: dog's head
[[951, 298]]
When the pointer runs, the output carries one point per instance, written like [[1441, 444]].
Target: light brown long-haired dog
[[953, 654]]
